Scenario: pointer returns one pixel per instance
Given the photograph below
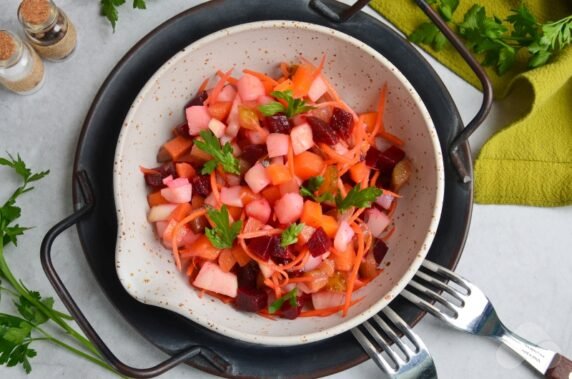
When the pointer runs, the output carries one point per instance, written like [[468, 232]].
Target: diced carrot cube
[[358, 172], [241, 257], [272, 194], [226, 260], [185, 170], [330, 225], [155, 198], [307, 165], [312, 214], [180, 212], [177, 147], [278, 174], [234, 212]]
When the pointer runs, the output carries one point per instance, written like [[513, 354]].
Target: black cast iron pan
[[95, 216]]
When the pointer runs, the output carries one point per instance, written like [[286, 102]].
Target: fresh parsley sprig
[[290, 235], [313, 184], [19, 332], [358, 198], [224, 234], [109, 9], [291, 296], [499, 41], [221, 155], [293, 108]]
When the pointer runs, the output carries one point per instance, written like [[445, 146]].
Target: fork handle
[[560, 368]]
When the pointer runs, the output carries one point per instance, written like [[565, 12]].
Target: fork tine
[[393, 337], [435, 296], [372, 351], [425, 305], [442, 286], [402, 326], [382, 343], [446, 273]]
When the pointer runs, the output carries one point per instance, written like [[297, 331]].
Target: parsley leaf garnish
[[290, 296], [313, 184], [500, 41], [294, 106], [223, 235], [109, 9], [358, 198], [221, 155], [290, 235]]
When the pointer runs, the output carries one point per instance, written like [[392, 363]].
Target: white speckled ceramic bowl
[[146, 268]]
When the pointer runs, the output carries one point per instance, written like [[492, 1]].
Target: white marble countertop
[[520, 256]]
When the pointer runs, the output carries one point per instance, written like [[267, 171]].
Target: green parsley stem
[[6, 273], [73, 350]]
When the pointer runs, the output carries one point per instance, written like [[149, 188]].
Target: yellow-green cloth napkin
[[530, 161]]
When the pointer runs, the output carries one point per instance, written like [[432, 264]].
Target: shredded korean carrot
[[284, 69], [327, 311], [260, 233], [203, 86], [341, 188], [379, 116], [195, 214], [332, 154], [214, 187], [291, 160], [389, 233], [217, 88], [266, 315], [148, 170], [391, 138], [373, 179], [353, 274], [261, 76], [230, 79], [298, 259]]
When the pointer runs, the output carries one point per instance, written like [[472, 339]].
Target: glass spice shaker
[[21, 69], [47, 28]]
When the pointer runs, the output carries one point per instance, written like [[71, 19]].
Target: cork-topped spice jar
[[47, 28], [21, 69]]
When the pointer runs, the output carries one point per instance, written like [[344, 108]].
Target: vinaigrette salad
[[275, 196]]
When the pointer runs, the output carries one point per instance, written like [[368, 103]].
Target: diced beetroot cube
[[247, 275], [252, 153], [277, 123], [319, 243], [201, 185], [182, 130], [290, 312], [199, 99], [251, 299], [167, 169], [342, 122], [386, 161], [278, 253], [154, 181], [379, 250], [394, 154], [261, 247], [321, 131]]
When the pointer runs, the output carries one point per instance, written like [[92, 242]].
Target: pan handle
[[85, 208], [459, 160]]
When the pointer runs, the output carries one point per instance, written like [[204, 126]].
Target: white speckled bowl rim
[[345, 324]]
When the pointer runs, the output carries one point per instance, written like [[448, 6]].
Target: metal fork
[[403, 363], [465, 307]]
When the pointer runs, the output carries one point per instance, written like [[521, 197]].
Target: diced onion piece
[[376, 221], [160, 212], [250, 87], [228, 93], [312, 262], [289, 208], [277, 144], [212, 278], [382, 144], [217, 127], [259, 209], [231, 196], [178, 195], [301, 137], [343, 237], [266, 270], [317, 89], [328, 299], [384, 200], [256, 178], [198, 118]]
